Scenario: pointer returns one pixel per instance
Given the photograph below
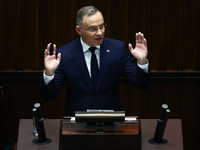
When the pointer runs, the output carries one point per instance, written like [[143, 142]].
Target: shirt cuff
[[47, 79], [145, 67]]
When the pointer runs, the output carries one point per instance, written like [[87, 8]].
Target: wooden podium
[[173, 134], [127, 135]]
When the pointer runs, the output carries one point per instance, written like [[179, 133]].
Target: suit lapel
[[78, 55], [104, 61]]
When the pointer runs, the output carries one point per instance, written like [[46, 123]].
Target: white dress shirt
[[88, 55]]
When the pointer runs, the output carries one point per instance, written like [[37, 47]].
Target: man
[[76, 67]]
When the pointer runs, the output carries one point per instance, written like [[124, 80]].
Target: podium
[[173, 134], [127, 135]]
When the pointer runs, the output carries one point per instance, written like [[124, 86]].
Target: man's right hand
[[50, 61]]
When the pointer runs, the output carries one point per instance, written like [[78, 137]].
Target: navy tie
[[94, 67]]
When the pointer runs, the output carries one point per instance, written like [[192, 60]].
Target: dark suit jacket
[[81, 94]]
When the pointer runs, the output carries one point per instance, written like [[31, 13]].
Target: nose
[[99, 32]]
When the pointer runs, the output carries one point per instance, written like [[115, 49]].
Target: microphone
[[41, 140], [161, 125]]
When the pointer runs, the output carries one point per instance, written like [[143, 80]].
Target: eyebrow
[[96, 26]]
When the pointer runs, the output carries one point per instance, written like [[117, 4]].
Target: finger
[[130, 47], [142, 37], [145, 42], [48, 48], [137, 37], [54, 49], [45, 53], [59, 56]]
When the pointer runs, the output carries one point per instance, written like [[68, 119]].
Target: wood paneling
[[171, 29], [179, 90]]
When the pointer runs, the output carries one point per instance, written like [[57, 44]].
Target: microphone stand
[[41, 140]]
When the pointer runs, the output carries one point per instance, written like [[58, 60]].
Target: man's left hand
[[140, 51]]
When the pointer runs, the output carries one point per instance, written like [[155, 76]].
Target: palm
[[50, 61], [140, 51]]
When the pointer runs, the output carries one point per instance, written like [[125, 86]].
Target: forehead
[[94, 20]]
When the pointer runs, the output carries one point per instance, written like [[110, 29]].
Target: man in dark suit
[[92, 76]]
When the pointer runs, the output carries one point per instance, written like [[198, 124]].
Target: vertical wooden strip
[[161, 67], [108, 19], [190, 36], [28, 35], [118, 19], [74, 20], [18, 35], [37, 36], [189, 112], [45, 28], [9, 54], [1, 31], [126, 22], [65, 18], [54, 21]]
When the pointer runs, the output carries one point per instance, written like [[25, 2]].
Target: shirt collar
[[86, 47]]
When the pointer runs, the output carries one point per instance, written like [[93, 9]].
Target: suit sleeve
[[50, 91], [47, 92], [133, 73]]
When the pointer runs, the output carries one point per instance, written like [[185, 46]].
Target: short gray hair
[[87, 10]]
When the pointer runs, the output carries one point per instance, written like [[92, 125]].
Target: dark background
[[171, 28]]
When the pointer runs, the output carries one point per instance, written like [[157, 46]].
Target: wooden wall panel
[[27, 49], [65, 22], [190, 39], [21, 92], [9, 35], [46, 29], [171, 29], [1, 30], [189, 111], [118, 20], [171, 34]]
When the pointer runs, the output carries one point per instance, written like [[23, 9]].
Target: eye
[[101, 26], [93, 29]]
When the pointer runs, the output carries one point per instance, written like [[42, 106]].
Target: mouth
[[98, 39]]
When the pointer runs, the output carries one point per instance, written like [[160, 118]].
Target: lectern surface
[[173, 134], [25, 136]]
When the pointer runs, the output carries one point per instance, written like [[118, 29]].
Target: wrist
[[142, 61], [49, 72]]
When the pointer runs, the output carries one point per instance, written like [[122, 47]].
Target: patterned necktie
[[94, 67]]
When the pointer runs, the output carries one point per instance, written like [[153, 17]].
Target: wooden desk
[[173, 134], [25, 136]]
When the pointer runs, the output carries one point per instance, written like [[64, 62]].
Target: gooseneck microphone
[[41, 140], [160, 128]]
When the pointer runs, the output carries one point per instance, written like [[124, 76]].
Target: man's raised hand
[[140, 51], [51, 63]]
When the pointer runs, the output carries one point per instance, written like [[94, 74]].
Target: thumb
[[130, 47], [59, 56]]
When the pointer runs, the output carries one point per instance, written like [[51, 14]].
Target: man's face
[[91, 38]]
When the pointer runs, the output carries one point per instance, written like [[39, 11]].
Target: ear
[[78, 30]]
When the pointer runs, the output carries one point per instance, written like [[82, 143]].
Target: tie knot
[[92, 49]]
